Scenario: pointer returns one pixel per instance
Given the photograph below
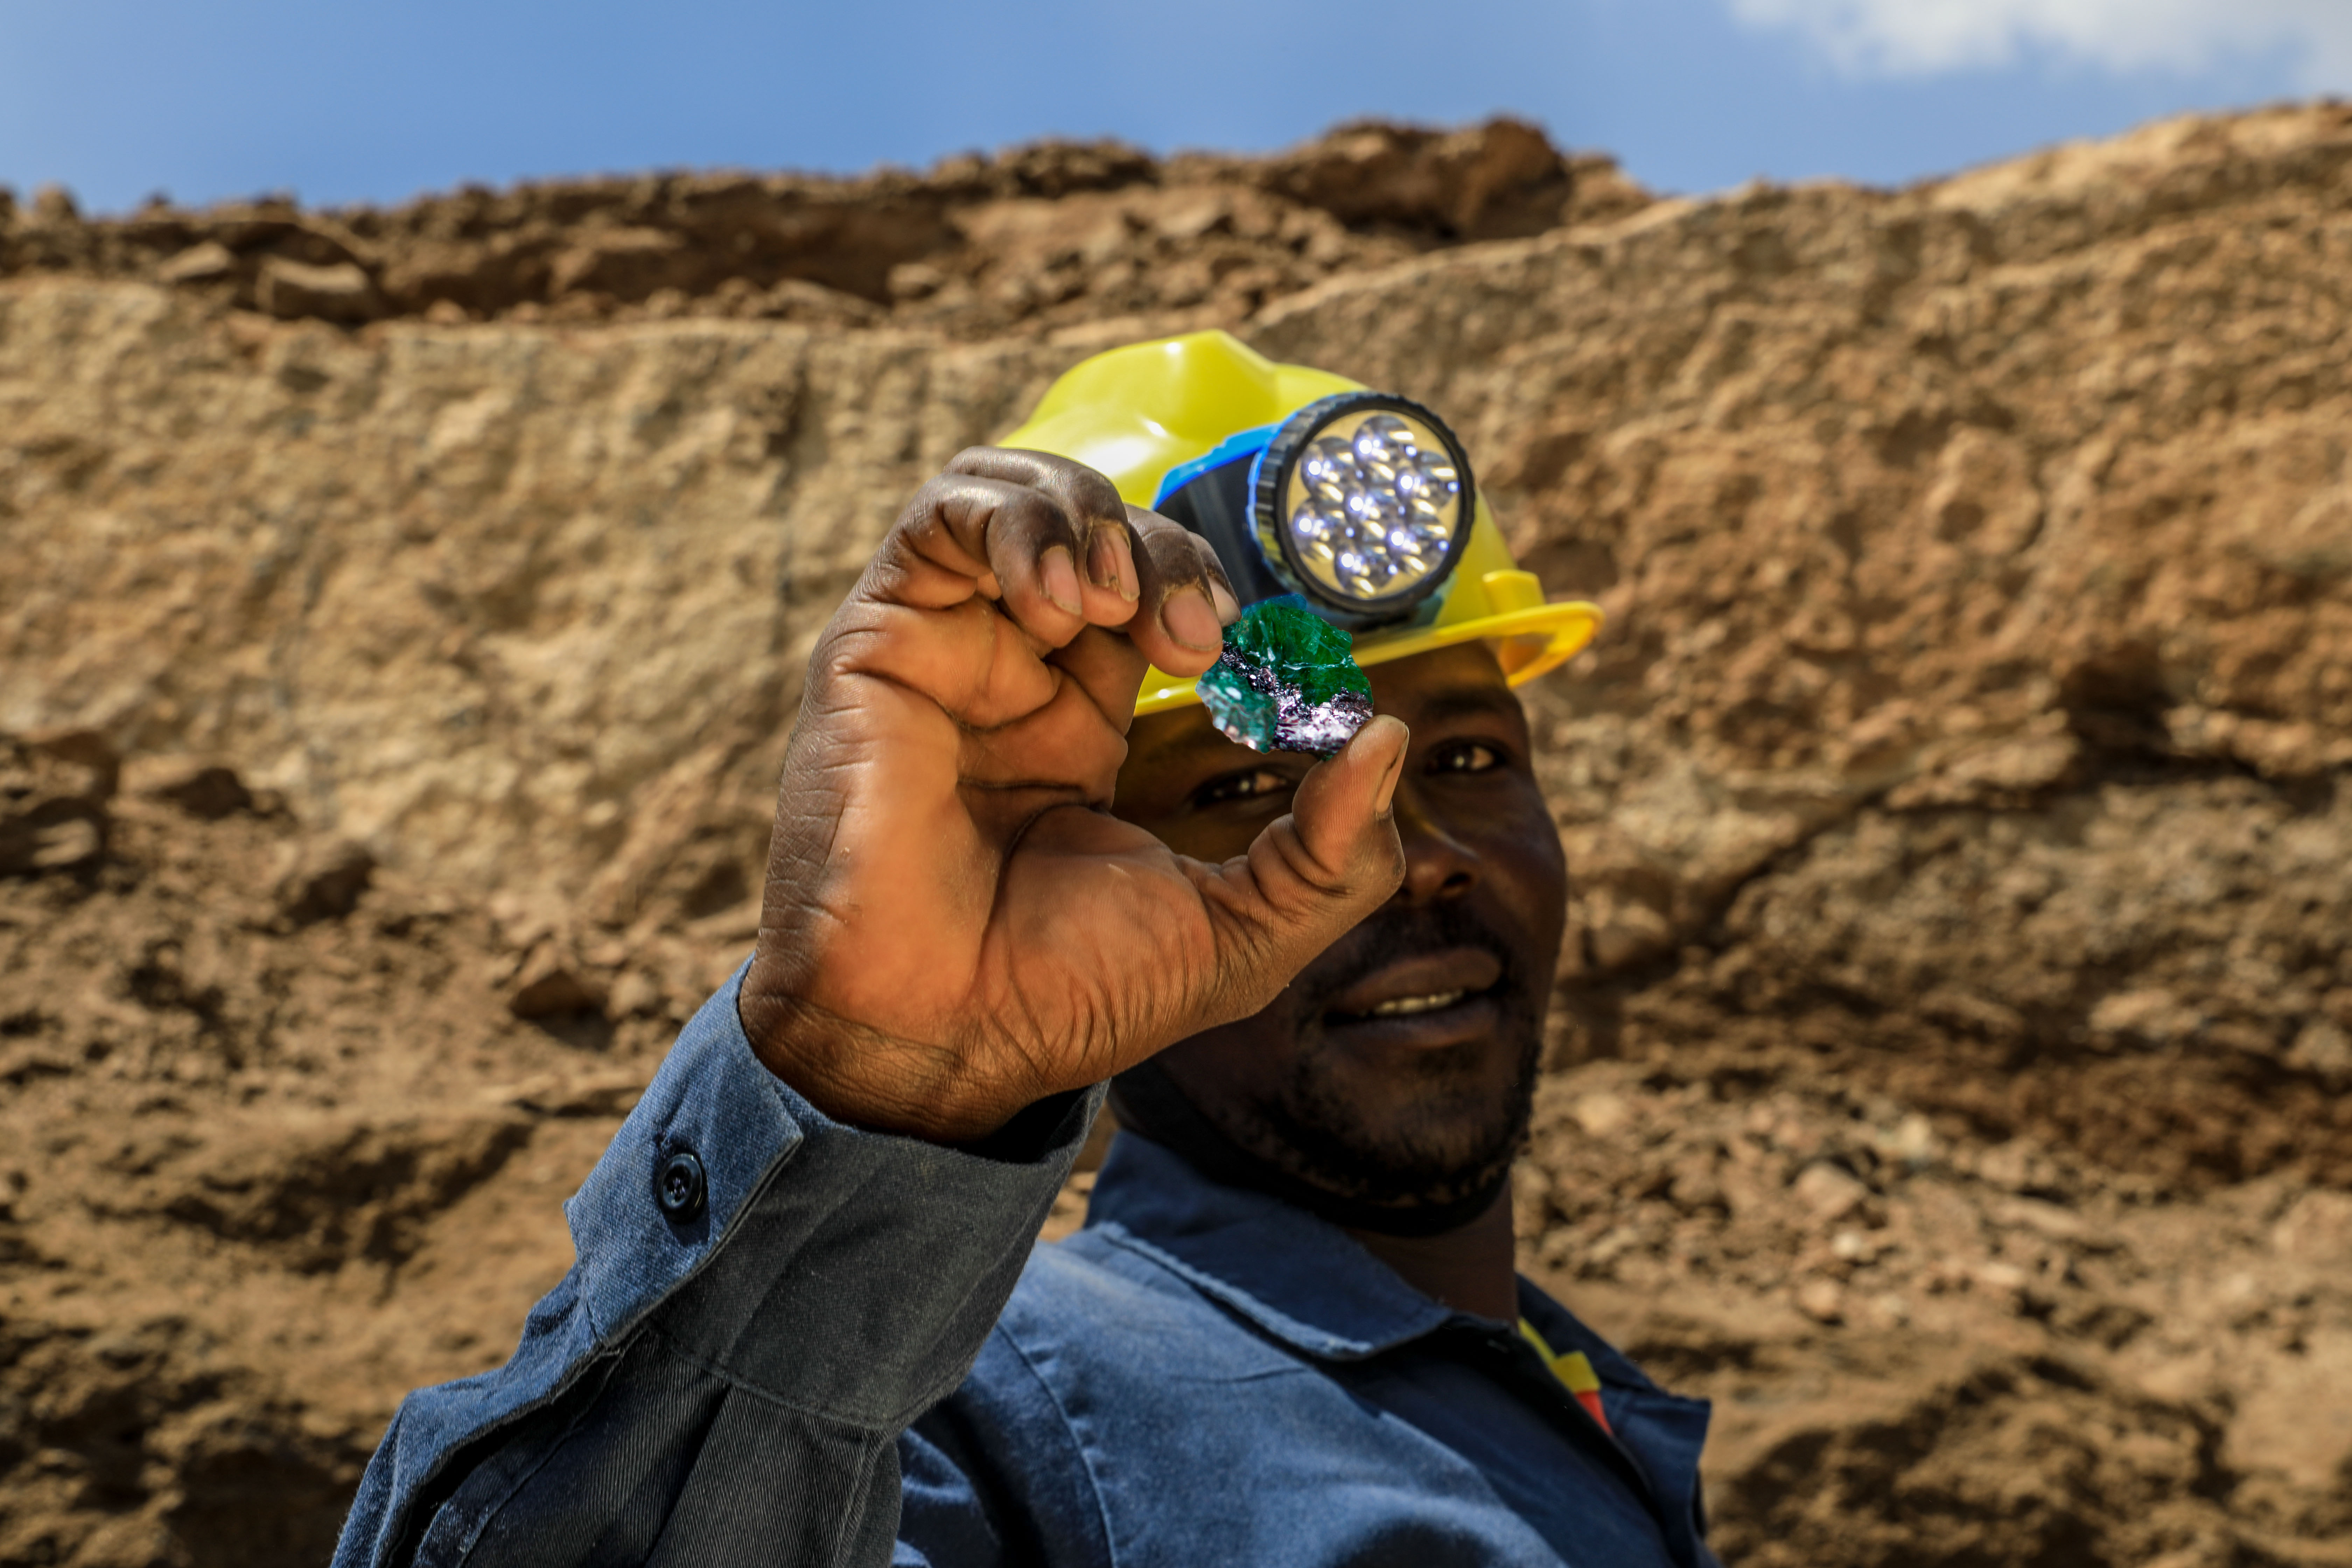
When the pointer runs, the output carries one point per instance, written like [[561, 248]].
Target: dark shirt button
[[680, 1188]]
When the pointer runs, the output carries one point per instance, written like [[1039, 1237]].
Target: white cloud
[[1922, 37]]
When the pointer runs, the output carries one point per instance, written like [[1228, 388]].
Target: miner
[[1018, 866]]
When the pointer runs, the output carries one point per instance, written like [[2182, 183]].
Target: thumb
[[1341, 808], [1319, 870]]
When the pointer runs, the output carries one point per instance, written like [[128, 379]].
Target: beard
[[1450, 1129]]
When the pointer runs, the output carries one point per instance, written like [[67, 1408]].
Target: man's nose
[[1438, 863]]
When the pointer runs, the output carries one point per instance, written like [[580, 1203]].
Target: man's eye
[[1241, 786], [1465, 757]]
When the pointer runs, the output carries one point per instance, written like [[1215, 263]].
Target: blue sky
[[336, 102]]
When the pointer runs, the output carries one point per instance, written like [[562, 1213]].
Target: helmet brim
[[1526, 643]]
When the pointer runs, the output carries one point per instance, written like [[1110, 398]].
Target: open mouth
[[1421, 1019], [1423, 988], [1404, 1006]]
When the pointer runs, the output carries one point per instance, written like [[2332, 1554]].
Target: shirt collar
[[1313, 1287], [1300, 1278], [1564, 1332]]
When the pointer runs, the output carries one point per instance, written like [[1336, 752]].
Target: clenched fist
[[955, 926]]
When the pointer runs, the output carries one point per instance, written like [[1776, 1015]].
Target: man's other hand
[[955, 927]]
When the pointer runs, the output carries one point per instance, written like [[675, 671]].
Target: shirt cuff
[[839, 1270]]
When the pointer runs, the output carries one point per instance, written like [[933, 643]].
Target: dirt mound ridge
[[1951, 1074], [1046, 235]]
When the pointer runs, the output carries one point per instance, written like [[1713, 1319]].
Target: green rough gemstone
[[1287, 681]]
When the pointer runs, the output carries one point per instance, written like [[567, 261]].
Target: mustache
[[1392, 934]]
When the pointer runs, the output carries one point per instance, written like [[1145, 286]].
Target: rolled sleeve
[[752, 1346], [714, 1103]]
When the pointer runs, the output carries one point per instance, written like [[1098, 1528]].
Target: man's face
[[1399, 1066]]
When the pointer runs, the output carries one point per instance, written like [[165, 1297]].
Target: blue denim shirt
[[848, 1353]]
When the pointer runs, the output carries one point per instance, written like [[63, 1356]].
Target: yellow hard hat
[[1263, 459]]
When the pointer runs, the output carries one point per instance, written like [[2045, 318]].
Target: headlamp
[[1208, 432], [1360, 502]]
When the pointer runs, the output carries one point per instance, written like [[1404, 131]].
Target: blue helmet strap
[[1214, 501]]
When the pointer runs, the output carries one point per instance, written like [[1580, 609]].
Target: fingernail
[[1130, 585], [1187, 618], [1386, 793], [1229, 609], [1102, 560], [1060, 576], [1111, 561]]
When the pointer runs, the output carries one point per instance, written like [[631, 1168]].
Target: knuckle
[[1029, 519], [1173, 558], [928, 497], [976, 460], [1044, 523], [949, 497], [1092, 490]]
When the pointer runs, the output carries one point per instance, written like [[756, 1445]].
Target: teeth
[[1429, 1004]]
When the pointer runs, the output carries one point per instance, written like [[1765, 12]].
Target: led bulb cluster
[[1374, 509]]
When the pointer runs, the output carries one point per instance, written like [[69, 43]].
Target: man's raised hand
[[955, 927]]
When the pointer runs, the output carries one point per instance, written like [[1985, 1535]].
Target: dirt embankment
[[1038, 236], [1950, 1073]]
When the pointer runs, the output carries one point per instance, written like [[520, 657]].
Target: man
[[1291, 1332]]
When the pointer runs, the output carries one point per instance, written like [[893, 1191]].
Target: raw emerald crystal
[[1287, 681]]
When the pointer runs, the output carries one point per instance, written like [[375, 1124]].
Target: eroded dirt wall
[[1949, 1075], [974, 247]]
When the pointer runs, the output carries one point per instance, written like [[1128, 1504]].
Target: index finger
[[1187, 598], [1107, 550]]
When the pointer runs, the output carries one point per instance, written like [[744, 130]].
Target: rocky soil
[[975, 247], [1949, 1078]]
